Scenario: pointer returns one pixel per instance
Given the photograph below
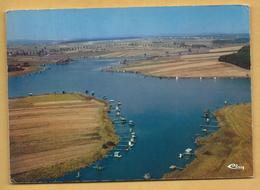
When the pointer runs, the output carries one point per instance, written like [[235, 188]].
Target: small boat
[[147, 176], [188, 151], [92, 93], [111, 101], [133, 133], [123, 119], [119, 103], [180, 155], [205, 130], [117, 154], [117, 108], [172, 167], [30, 94], [132, 140], [131, 123], [225, 102], [78, 175], [118, 113], [130, 144], [207, 120], [104, 98]]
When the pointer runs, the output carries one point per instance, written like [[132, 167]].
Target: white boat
[[117, 154], [119, 103], [30, 94], [123, 119], [111, 101], [172, 167], [204, 130], [188, 151], [78, 175], [180, 155], [130, 144], [117, 108], [130, 122], [118, 113], [147, 176], [225, 102]]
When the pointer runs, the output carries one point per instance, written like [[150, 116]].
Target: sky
[[71, 24]]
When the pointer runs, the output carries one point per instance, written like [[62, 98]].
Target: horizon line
[[130, 37]]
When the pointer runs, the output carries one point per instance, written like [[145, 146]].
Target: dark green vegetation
[[241, 58], [231, 41]]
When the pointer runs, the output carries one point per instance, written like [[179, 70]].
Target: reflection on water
[[167, 113]]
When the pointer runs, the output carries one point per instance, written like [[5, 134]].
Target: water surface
[[167, 112]]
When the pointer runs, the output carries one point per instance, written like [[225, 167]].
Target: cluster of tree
[[231, 41], [40, 52], [241, 58], [198, 46]]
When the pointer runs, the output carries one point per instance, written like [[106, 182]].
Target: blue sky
[[70, 24]]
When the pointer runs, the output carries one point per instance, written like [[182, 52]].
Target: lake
[[167, 112]]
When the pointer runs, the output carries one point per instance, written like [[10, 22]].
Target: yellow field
[[54, 134], [193, 65], [232, 143]]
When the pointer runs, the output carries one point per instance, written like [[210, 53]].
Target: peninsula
[[56, 133]]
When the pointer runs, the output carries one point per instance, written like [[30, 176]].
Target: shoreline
[[179, 77], [34, 69], [191, 65], [231, 143], [29, 70], [107, 137]]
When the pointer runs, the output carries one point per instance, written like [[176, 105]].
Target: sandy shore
[[53, 134], [204, 65], [232, 143]]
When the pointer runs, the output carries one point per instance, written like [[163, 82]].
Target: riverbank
[[232, 143], [57, 133], [187, 57], [204, 65]]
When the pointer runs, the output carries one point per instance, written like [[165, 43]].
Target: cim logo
[[234, 166]]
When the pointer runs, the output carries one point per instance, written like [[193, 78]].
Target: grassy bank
[[57, 133], [232, 143]]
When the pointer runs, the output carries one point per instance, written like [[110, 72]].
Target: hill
[[241, 58]]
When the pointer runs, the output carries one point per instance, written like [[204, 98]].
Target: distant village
[[21, 56]]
